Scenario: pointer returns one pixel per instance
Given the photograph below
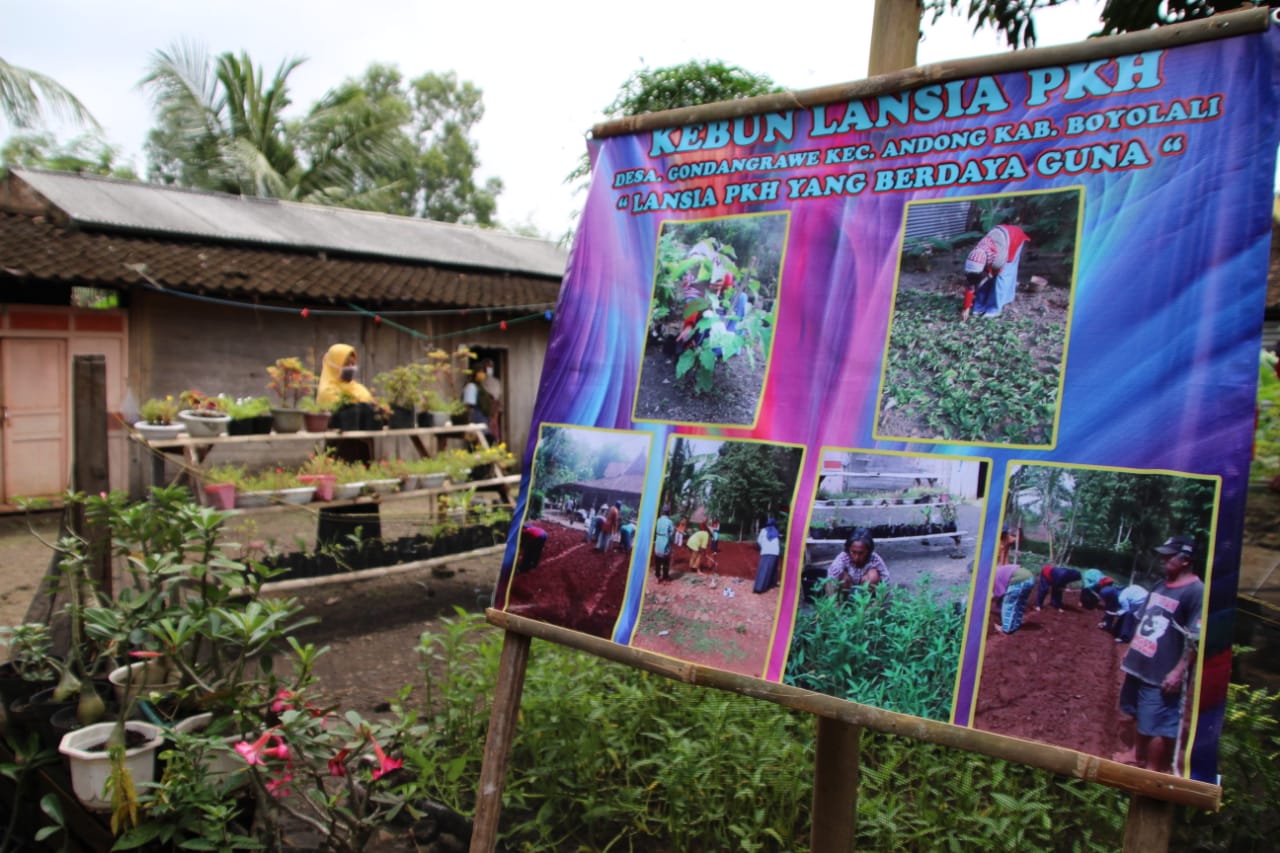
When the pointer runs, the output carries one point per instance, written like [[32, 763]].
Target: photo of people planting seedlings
[[711, 594], [572, 558], [711, 319], [981, 320], [888, 565], [1113, 564]]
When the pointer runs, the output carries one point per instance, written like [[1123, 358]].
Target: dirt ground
[[573, 584], [1057, 680], [738, 386], [371, 623], [713, 619]]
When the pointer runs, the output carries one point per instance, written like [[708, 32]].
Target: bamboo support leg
[[1149, 825], [835, 787], [497, 745]]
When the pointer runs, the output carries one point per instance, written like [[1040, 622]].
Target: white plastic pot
[[90, 763]]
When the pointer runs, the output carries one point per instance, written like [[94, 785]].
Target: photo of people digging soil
[[980, 321], [711, 320], [578, 533], [1066, 630], [711, 592]]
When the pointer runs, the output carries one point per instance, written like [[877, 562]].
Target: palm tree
[[221, 126], [26, 94]]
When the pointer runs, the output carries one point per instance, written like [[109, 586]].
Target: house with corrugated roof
[[184, 289]]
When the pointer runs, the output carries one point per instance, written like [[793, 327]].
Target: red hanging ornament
[[377, 320], [503, 325], [306, 312]]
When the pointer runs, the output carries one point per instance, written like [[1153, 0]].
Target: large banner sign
[[936, 400]]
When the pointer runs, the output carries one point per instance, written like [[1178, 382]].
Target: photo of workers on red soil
[[711, 592], [1095, 615], [579, 528]]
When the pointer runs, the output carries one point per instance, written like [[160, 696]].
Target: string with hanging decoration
[[544, 311]]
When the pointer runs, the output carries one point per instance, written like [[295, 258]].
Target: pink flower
[[258, 751], [385, 764], [252, 752], [337, 764], [282, 702], [143, 654], [276, 787]]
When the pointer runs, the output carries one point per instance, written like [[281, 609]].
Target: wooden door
[[34, 420]]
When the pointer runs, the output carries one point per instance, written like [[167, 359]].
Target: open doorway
[[494, 361]]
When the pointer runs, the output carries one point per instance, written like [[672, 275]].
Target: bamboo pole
[[497, 745], [1191, 32], [1056, 759], [835, 787], [895, 31]]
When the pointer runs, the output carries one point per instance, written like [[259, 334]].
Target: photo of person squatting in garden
[[857, 565], [991, 271], [1159, 658]]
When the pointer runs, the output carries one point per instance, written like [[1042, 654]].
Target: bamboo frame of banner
[[840, 722]]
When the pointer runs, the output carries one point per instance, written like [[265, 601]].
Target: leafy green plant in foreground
[[609, 757]]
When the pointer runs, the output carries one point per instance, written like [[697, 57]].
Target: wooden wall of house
[[177, 343]]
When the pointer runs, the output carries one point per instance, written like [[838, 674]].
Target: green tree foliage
[[1012, 18], [376, 143], [695, 82], [28, 96], [89, 154], [685, 85], [1121, 512], [752, 482]]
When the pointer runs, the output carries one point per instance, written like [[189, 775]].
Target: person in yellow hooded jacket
[[338, 385], [338, 378]]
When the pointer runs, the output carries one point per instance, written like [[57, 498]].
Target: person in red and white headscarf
[[991, 271]]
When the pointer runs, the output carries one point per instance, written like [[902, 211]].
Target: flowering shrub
[[290, 381]]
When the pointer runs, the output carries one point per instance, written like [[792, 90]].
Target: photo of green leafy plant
[[711, 319], [984, 379], [900, 654], [896, 644]]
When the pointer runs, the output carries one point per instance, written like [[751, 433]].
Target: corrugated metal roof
[[113, 204]]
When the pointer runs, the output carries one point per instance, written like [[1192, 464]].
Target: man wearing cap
[[1160, 654]]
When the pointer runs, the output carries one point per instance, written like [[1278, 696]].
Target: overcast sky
[[547, 69]]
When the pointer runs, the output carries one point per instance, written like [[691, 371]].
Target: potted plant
[[249, 416], [351, 415], [446, 373], [349, 479], [315, 415], [384, 478], [401, 388], [221, 482], [271, 486], [320, 470], [159, 419], [430, 470], [292, 383], [203, 414]]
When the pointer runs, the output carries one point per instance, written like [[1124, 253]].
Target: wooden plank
[[1148, 826], [379, 572], [89, 467], [497, 745], [315, 506], [1207, 29], [313, 437], [1055, 759], [835, 787]]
